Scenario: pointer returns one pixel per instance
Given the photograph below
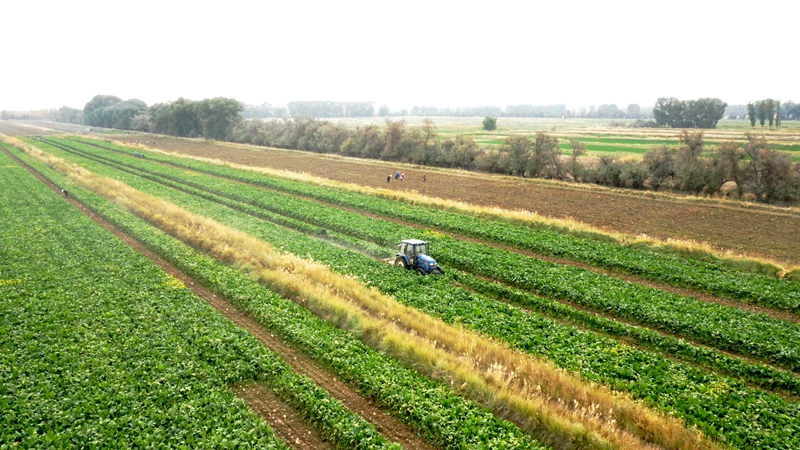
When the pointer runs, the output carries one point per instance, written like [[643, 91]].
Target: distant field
[[599, 137], [596, 134]]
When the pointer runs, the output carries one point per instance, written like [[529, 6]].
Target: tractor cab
[[415, 254]]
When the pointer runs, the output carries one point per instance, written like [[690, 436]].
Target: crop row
[[755, 335], [723, 408], [100, 346], [442, 417], [714, 278]]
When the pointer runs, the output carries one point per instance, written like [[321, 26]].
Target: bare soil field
[[768, 233]]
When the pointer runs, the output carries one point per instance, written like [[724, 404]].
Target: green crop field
[[703, 342], [599, 137]]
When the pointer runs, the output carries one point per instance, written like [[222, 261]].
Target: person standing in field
[[389, 179], [424, 177]]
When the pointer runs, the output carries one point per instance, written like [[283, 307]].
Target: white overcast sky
[[401, 53]]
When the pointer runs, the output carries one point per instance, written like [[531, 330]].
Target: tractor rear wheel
[[400, 263]]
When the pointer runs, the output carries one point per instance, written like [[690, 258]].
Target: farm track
[[623, 339], [754, 230], [283, 419], [695, 293], [386, 424]]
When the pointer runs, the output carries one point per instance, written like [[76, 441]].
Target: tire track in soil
[[287, 423], [390, 427]]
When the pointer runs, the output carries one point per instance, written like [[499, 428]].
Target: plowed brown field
[[770, 233]]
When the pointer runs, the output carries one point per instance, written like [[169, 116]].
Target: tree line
[[212, 118], [264, 111], [605, 111], [700, 113], [64, 114], [325, 109], [671, 112], [772, 112], [751, 169], [745, 169]]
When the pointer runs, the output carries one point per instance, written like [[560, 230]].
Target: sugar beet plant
[[101, 346], [724, 408], [714, 278], [755, 335], [90, 358], [444, 418]]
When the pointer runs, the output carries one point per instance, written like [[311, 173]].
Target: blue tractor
[[414, 254]]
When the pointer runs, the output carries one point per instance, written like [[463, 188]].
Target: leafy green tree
[[489, 161], [218, 116], [752, 114], [633, 111], [326, 109], [728, 165], [609, 172], [700, 113], [769, 106], [393, 137], [490, 123], [762, 112], [668, 112], [428, 146], [660, 164], [575, 168], [770, 174], [107, 111], [515, 155], [365, 142], [546, 159], [69, 115], [141, 123], [691, 174], [633, 175], [99, 101], [703, 112], [609, 111], [459, 152]]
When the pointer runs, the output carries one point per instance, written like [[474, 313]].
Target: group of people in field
[[401, 176]]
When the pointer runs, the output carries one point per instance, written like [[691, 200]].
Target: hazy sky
[[402, 53]]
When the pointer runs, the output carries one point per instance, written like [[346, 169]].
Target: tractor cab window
[[422, 249]]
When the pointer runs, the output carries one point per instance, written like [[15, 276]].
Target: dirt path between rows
[[284, 420], [387, 425], [755, 231]]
